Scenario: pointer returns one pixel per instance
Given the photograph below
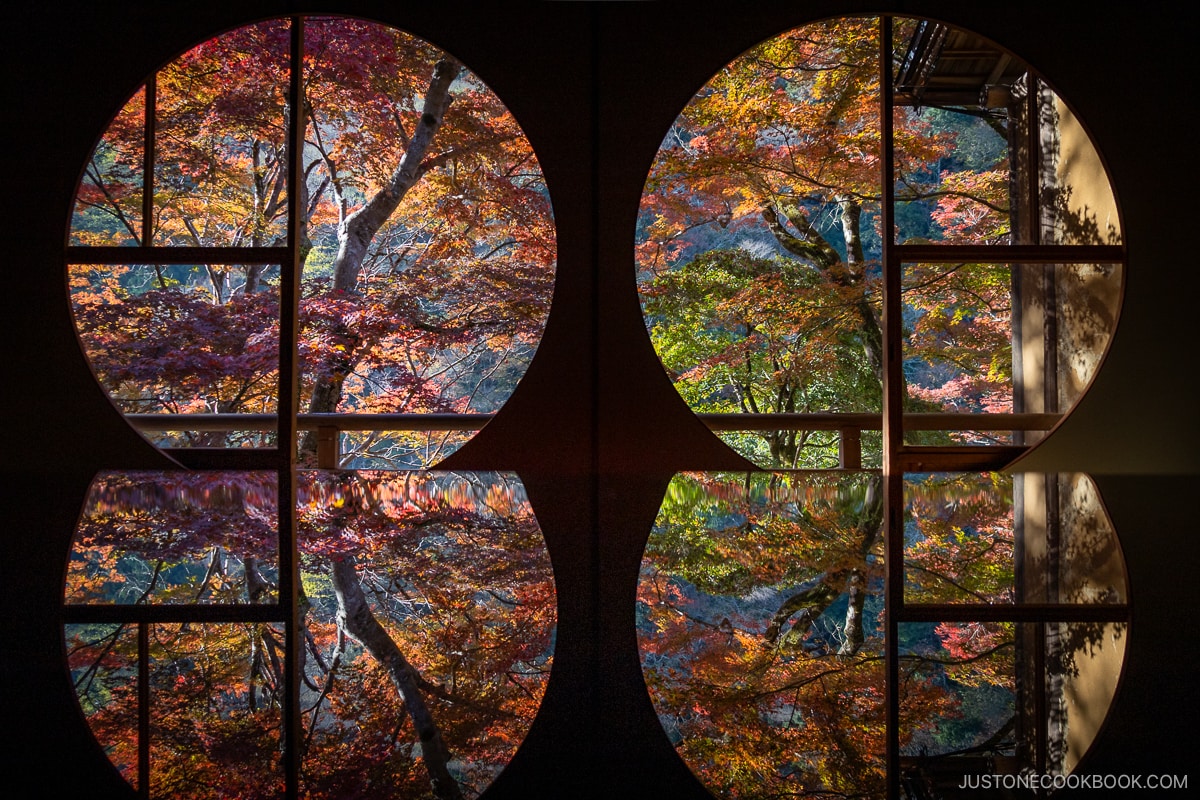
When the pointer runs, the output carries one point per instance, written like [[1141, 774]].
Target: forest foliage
[[427, 256]]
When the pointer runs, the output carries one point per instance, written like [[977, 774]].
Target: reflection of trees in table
[[762, 637], [428, 621]]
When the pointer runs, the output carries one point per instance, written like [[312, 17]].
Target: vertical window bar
[[149, 137], [893, 372], [892, 408], [143, 667], [149, 134], [1033, 148], [1042, 227], [1050, 338], [1050, 644], [1041, 705], [289, 386]]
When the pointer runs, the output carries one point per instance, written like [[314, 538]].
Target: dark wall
[[595, 429]]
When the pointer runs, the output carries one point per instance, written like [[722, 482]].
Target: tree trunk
[[854, 611], [358, 230], [869, 527], [815, 597], [357, 619], [812, 247]]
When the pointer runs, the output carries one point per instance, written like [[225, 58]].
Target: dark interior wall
[[595, 429]]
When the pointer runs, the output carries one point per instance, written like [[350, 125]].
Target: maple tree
[[427, 252], [426, 236], [759, 244], [429, 613], [760, 608]]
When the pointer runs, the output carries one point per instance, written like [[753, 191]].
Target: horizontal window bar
[[310, 422], [174, 613], [178, 255], [1008, 254], [925, 421]]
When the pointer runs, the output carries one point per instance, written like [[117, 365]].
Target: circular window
[[884, 286], [413, 249], [309, 257], [768, 235]]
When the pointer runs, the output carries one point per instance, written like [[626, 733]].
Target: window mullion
[[288, 403], [143, 684], [149, 134], [893, 436]]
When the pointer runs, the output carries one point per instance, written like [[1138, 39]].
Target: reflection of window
[[354, 287], [915, 271], [425, 616], [786, 655]]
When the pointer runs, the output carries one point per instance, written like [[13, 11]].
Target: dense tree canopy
[[427, 257], [429, 615], [760, 244], [426, 236], [427, 253], [760, 626], [761, 278]]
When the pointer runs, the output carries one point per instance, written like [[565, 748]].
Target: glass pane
[[959, 538], [957, 345], [1087, 299], [103, 664], [994, 338], [959, 680], [757, 242], [425, 290], [214, 711], [220, 144], [1091, 655], [760, 630], [1064, 317], [952, 130], [978, 692], [178, 340], [175, 537], [108, 204], [741, 333], [999, 538], [959, 685], [1069, 551], [430, 617], [957, 192]]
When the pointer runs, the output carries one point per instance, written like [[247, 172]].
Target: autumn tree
[[769, 185], [427, 256], [760, 607], [438, 630], [425, 230]]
